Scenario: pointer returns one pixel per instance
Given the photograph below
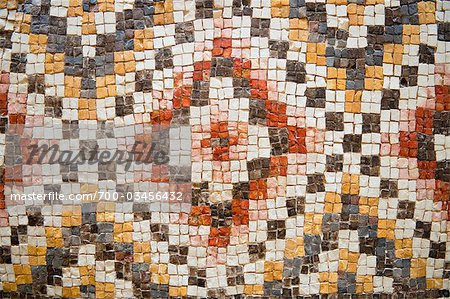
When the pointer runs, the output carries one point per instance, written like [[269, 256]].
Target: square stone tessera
[[313, 140]]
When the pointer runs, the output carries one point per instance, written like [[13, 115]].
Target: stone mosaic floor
[[320, 146]]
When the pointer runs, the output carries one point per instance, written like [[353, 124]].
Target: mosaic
[[318, 140]]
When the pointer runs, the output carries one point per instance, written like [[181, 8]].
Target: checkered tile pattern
[[320, 146]]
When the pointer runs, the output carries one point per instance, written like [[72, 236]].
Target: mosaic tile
[[317, 134]]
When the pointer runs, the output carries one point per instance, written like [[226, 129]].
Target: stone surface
[[320, 135]]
